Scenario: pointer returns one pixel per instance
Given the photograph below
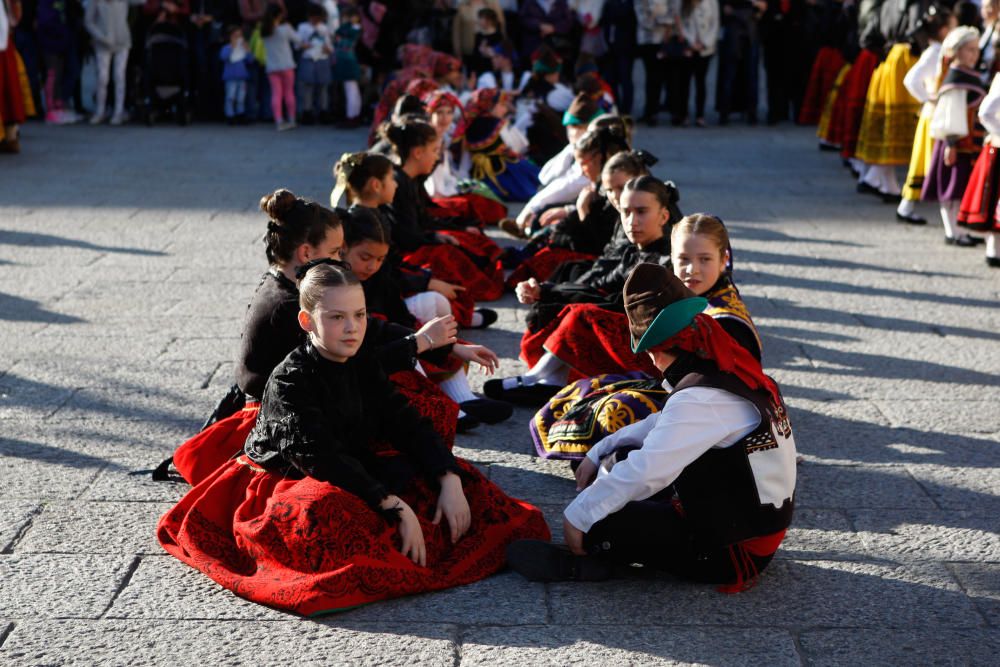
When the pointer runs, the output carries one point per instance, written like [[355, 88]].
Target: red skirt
[[825, 68], [594, 341], [206, 452], [11, 101], [310, 547], [470, 206], [448, 263], [850, 105], [543, 263], [979, 203]]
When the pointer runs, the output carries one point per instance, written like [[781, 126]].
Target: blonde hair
[[704, 224]]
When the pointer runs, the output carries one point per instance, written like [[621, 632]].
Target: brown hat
[[658, 305]]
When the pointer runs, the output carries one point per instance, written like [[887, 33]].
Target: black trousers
[[695, 67], [653, 533], [655, 74]]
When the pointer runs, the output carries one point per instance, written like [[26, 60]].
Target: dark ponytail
[[666, 193], [408, 133], [293, 221], [605, 138], [363, 224], [354, 170]]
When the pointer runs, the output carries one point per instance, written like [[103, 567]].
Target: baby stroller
[[166, 74]]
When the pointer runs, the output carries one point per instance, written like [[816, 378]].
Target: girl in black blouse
[[339, 498], [299, 232]]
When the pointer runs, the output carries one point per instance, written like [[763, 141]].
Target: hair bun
[[278, 204], [648, 159]]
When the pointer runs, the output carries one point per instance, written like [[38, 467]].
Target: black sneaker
[[466, 423], [993, 262], [487, 410], [966, 242], [489, 317], [865, 189], [541, 561], [531, 395]]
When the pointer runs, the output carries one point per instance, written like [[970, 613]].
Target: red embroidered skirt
[[979, 203], [825, 68], [543, 263], [470, 206], [594, 341], [310, 547], [11, 100], [451, 264]]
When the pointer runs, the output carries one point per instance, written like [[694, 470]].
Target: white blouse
[[989, 112], [921, 80]]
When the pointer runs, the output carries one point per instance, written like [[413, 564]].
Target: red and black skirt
[[482, 278], [979, 203], [850, 104], [543, 263], [470, 206], [309, 547], [825, 68]]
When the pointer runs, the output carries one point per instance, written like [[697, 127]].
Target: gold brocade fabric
[[890, 118]]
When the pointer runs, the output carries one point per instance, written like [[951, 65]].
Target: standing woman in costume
[[979, 205], [704, 489], [12, 100], [921, 81], [957, 138], [345, 495], [885, 138]]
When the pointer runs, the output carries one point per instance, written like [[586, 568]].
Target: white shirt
[[314, 38], [692, 422], [950, 118], [564, 189], [921, 80], [702, 25], [489, 80], [989, 112]]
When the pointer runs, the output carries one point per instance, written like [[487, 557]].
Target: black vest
[[746, 490]]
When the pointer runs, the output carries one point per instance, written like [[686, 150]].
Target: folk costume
[[617, 388], [295, 522], [16, 102], [828, 64], [978, 211], [885, 137], [494, 162], [954, 125], [703, 489], [271, 330], [921, 82]]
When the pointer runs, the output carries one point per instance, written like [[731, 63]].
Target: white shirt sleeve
[[627, 436], [989, 110], [692, 422], [486, 80], [563, 190], [950, 117], [924, 71], [562, 161]]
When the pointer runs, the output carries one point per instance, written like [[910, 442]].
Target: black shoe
[[965, 242], [649, 120], [865, 189], [723, 119], [993, 261], [888, 198], [466, 423], [910, 219], [531, 395], [752, 119], [488, 410], [308, 118], [829, 147], [541, 561], [489, 317]]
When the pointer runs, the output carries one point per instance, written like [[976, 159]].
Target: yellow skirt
[[824, 119], [920, 158], [22, 74], [890, 118]]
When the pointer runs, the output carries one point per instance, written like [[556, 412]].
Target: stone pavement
[[127, 257]]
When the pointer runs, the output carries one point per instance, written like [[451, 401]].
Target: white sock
[[859, 167], [477, 319], [949, 210], [550, 369], [992, 241], [872, 175], [457, 387], [890, 180], [906, 207]]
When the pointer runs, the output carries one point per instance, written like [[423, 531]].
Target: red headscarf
[[706, 339], [439, 98], [445, 64], [421, 88]]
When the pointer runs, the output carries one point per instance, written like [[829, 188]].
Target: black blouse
[[322, 419], [271, 330], [591, 234]]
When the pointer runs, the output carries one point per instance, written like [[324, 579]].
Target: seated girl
[[646, 220], [617, 386], [703, 490], [300, 232], [367, 247], [562, 177], [541, 103], [455, 249], [452, 193], [344, 495], [488, 140], [425, 258]]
